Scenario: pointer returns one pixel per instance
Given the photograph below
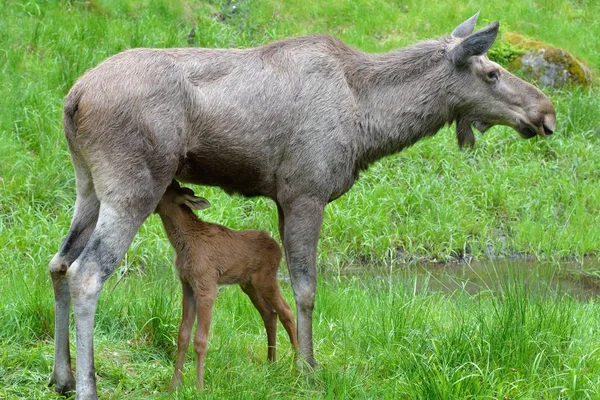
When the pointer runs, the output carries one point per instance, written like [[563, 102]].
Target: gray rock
[[547, 65]]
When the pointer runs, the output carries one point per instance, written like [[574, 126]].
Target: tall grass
[[386, 336], [375, 337]]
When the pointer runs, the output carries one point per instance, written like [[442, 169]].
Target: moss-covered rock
[[547, 65]]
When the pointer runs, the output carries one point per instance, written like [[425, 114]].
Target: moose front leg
[[303, 220]]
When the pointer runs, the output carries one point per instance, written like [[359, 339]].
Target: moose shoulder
[[294, 120]]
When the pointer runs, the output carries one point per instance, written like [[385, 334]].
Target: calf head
[[178, 195]]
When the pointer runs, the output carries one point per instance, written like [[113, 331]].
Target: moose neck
[[402, 97]]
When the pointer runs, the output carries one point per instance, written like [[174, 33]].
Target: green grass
[[538, 198], [377, 337]]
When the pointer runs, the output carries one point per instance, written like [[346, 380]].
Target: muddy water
[[579, 280]]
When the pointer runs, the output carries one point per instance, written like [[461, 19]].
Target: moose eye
[[493, 75]]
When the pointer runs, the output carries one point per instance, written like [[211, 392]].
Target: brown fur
[[210, 254]]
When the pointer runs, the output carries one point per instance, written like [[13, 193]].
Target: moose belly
[[234, 173]]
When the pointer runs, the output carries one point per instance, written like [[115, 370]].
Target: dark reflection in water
[[578, 280]]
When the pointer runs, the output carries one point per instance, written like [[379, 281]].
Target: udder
[[232, 173]]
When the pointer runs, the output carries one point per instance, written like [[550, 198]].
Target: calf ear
[[192, 201], [196, 203], [466, 28], [476, 44]]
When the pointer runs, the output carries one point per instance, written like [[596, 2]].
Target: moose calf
[[210, 254]]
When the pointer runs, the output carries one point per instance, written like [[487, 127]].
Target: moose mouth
[[481, 126], [528, 131]]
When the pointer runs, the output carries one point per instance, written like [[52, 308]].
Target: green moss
[[521, 42], [578, 73], [504, 52]]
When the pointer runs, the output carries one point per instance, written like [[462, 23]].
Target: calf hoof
[[64, 386], [174, 385]]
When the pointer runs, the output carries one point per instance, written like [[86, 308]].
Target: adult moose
[[295, 121]]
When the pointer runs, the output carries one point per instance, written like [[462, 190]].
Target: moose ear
[[466, 28], [476, 44]]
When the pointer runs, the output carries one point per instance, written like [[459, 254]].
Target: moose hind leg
[[114, 231], [84, 221]]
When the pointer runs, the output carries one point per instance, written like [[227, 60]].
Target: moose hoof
[[307, 366], [64, 386]]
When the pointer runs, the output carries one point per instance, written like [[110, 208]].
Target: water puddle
[[578, 280]]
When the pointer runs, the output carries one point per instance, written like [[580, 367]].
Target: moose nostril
[[547, 130]]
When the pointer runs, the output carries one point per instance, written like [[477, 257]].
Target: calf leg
[[268, 288], [84, 221], [204, 305], [303, 220], [183, 339], [268, 316], [285, 316]]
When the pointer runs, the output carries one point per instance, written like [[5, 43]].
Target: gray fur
[[295, 121], [466, 28], [476, 44]]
